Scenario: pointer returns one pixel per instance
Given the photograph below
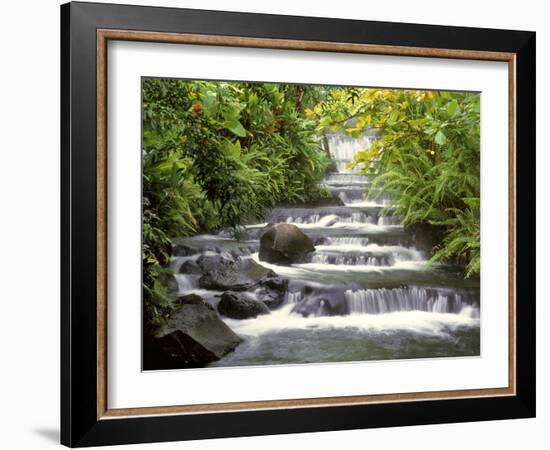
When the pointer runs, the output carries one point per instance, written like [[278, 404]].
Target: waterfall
[[293, 297], [346, 240], [323, 215], [412, 298], [343, 148], [352, 260], [347, 184], [345, 179], [186, 282], [314, 218]]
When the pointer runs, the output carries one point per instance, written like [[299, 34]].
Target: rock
[[238, 306], [190, 267], [200, 244], [193, 337], [243, 251], [314, 307], [188, 246], [272, 292], [336, 200], [212, 263], [277, 284], [181, 248], [329, 221], [269, 298], [234, 275], [425, 237], [325, 302], [332, 199], [175, 350], [222, 273], [192, 299], [284, 244], [267, 227]]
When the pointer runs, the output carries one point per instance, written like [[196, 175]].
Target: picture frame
[[86, 418]]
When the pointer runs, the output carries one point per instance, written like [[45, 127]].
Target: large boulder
[[233, 275], [193, 336], [284, 244], [175, 350], [239, 306]]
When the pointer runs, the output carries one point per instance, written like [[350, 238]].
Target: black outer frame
[[79, 423]]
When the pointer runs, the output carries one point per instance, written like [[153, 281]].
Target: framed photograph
[[277, 224]]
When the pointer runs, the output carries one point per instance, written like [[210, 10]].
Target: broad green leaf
[[440, 138], [452, 108], [235, 127]]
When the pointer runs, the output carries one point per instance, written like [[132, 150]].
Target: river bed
[[395, 308]]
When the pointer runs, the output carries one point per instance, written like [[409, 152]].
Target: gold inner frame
[[103, 36]]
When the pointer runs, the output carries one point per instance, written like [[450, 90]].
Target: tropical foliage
[[216, 155], [427, 157]]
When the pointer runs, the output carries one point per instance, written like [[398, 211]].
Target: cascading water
[[363, 294], [293, 297], [379, 301], [343, 148]]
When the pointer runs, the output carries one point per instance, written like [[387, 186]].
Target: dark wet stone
[[238, 306], [235, 275], [193, 336], [321, 302], [190, 267], [175, 350], [284, 244]]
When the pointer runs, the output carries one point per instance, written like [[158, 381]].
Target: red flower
[[195, 109]]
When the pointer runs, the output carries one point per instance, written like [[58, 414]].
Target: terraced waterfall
[[363, 294]]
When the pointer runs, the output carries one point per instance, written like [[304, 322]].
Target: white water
[[344, 223], [298, 271], [361, 260], [293, 297], [187, 282], [380, 301], [400, 265], [347, 240], [365, 203], [412, 321], [344, 148], [346, 178], [397, 251], [332, 219]]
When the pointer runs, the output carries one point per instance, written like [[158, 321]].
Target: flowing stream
[[364, 294]]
